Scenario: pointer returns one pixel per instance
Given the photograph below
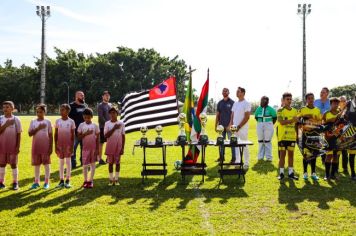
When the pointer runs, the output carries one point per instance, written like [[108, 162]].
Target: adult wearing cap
[[76, 113], [103, 116], [265, 116]]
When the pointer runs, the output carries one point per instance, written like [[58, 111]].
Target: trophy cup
[[159, 140], [233, 138], [182, 138], [203, 138], [143, 141], [220, 138]]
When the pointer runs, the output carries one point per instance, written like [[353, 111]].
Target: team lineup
[[75, 128]]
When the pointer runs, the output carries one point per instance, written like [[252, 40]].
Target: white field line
[[203, 210]]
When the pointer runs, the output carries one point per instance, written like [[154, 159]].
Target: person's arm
[[7, 124], [286, 122], [101, 118], [18, 142], [244, 120], [34, 131], [274, 115], [55, 139], [231, 120], [110, 132], [217, 119], [97, 135], [123, 144]]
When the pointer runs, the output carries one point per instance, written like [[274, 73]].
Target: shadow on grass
[[290, 195], [264, 167], [154, 190]]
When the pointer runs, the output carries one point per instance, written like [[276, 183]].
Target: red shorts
[[38, 159], [88, 157], [10, 159], [64, 152], [113, 159]]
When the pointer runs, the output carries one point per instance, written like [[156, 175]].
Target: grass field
[[261, 206]]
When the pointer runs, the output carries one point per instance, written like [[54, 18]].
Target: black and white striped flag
[[157, 106]]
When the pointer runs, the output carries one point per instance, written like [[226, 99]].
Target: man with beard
[[76, 113]]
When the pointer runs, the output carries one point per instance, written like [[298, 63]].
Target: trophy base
[[203, 139], [143, 142], [233, 140], [159, 141], [182, 140], [220, 141]]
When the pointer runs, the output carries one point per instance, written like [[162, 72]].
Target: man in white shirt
[[240, 115]]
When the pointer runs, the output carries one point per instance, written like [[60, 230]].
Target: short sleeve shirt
[[224, 109], [239, 109], [8, 137], [89, 141]]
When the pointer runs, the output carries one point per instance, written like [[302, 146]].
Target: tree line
[[120, 72]]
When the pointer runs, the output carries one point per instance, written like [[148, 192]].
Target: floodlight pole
[[304, 11], [43, 12]]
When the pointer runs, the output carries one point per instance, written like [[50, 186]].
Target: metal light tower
[[303, 11], [43, 12]]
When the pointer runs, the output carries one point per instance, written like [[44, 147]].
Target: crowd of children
[[42, 145]]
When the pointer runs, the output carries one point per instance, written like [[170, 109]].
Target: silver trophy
[[159, 140], [143, 141], [220, 138], [233, 138]]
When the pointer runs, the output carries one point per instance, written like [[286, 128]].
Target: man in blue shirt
[[323, 103], [223, 116]]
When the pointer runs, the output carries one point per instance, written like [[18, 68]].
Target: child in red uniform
[[89, 132], [114, 131], [10, 137], [64, 142], [41, 131]]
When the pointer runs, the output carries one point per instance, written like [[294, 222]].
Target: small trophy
[[143, 141], [159, 140], [220, 138], [203, 138], [233, 138], [182, 138]]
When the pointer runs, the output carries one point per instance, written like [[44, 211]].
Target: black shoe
[[15, 186], [292, 176], [281, 176], [346, 172], [102, 162], [353, 177], [2, 186]]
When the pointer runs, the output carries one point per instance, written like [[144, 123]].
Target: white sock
[[69, 168], [92, 171], [47, 173], [281, 170], [15, 174], [37, 174], [117, 175], [290, 170], [111, 175]]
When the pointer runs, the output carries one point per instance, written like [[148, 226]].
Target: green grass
[[260, 206]]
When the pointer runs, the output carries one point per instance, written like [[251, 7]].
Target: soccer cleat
[[111, 183], [2, 186], [305, 176], [102, 162], [116, 183], [326, 178], [281, 176], [90, 184], [85, 184], [292, 176], [34, 186], [60, 185], [15, 186], [67, 184], [46, 186], [314, 177], [333, 177]]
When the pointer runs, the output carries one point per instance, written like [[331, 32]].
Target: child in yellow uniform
[[287, 117], [332, 156], [310, 115]]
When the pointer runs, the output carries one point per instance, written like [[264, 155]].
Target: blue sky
[[255, 44]]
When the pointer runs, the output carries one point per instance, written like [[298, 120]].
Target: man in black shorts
[[103, 116]]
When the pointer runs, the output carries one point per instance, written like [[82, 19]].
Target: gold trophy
[[220, 138], [159, 140], [203, 138], [143, 141], [182, 138], [233, 138]]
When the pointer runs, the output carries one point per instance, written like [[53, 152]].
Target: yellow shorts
[[286, 145]]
